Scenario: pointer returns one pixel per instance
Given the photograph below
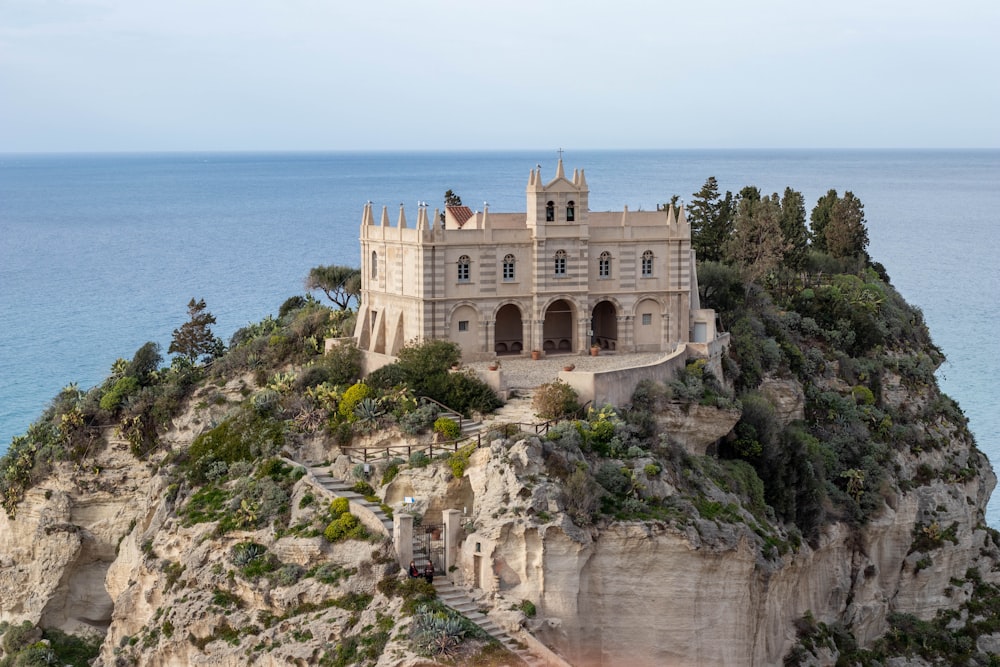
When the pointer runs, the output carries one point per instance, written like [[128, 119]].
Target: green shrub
[[345, 527], [241, 438], [225, 599], [342, 363], [419, 420], [339, 507], [387, 377], [863, 395], [554, 399], [581, 496], [391, 471], [72, 649], [18, 637], [354, 394], [459, 460], [448, 428], [613, 478], [528, 607], [467, 393], [265, 401], [121, 390], [419, 460]]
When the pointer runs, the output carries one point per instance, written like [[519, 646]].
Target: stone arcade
[[557, 278]]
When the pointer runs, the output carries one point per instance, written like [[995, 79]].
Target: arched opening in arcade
[[604, 324], [557, 328], [508, 334]]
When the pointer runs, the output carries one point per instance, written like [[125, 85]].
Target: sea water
[[101, 253]]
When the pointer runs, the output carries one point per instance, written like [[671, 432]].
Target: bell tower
[[560, 201]]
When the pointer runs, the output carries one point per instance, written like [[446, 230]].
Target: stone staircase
[[447, 592], [456, 598], [340, 488], [469, 428]]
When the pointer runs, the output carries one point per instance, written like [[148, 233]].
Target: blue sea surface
[[101, 253]]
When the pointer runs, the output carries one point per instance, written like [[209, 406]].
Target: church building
[[558, 278]]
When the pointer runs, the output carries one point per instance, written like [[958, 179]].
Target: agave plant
[[437, 633], [368, 410], [245, 553]]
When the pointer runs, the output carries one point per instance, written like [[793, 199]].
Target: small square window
[[647, 318], [463, 325]]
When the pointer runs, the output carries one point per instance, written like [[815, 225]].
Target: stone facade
[[557, 278]]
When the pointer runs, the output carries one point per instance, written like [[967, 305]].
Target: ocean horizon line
[[503, 151]]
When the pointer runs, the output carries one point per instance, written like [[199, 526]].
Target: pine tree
[[341, 284], [194, 338], [711, 221], [450, 199]]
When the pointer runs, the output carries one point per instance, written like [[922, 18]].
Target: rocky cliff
[[830, 509]]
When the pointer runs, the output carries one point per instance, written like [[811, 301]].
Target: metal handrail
[[428, 399], [539, 428]]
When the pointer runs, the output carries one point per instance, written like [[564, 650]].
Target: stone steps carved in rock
[[455, 598]]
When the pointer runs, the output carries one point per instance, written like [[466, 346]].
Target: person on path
[[414, 572]]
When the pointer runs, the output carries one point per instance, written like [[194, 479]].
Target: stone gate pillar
[[452, 520], [402, 537]]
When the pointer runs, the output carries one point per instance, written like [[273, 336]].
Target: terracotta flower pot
[[594, 351], [536, 355]]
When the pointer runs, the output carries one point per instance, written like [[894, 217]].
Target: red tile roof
[[460, 213]]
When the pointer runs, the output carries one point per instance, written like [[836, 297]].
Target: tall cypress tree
[[820, 218], [757, 245], [793, 228], [846, 234]]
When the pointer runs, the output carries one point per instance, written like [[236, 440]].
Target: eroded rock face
[[788, 398], [58, 549], [653, 593], [696, 427]]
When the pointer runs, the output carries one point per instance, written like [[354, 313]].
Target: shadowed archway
[[508, 333], [604, 322], [557, 329]]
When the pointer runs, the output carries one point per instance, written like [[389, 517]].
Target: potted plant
[[569, 367], [494, 365], [595, 349], [536, 355]]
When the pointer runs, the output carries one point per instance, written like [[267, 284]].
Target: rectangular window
[[647, 318], [603, 268], [463, 325], [508, 271], [647, 264], [463, 273]]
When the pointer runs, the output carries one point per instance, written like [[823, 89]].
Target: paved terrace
[[523, 373]]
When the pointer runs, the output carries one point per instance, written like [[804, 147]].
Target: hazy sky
[[125, 75]]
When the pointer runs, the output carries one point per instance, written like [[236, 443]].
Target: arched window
[[604, 265], [647, 264], [570, 211], [374, 264], [560, 265], [463, 269], [550, 211], [508, 268]]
